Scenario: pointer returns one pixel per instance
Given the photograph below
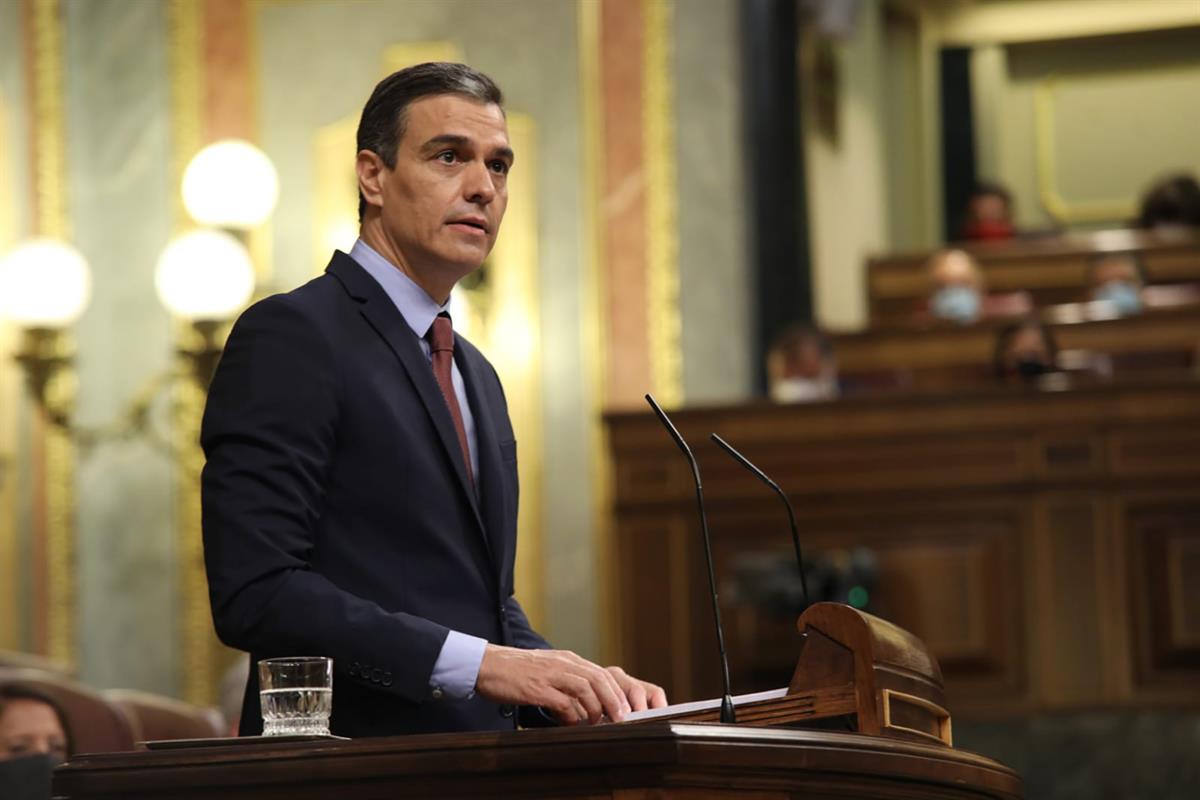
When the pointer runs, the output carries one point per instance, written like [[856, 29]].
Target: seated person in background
[[1025, 351], [33, 740], [1118, 279], [988, 215], [31, 723], [801, 367], [958, 291], [1172, 202]]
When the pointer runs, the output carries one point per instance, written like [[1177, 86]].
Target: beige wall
[[1117, 109], [1079, 128], [847, 181]]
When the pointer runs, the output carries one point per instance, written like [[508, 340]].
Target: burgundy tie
[[441, 345]]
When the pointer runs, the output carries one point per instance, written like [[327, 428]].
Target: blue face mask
[[957, 303], [1125, 297]]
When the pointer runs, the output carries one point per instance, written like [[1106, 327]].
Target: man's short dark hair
[[384, 116]]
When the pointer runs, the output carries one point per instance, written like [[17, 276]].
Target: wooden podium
[[631, 762], [854, 670]]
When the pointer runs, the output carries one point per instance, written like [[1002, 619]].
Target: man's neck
[[373, 236]]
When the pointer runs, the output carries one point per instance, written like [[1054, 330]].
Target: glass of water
[[296, 695]]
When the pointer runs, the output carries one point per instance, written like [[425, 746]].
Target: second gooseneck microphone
[[727, 712], [762, 476]]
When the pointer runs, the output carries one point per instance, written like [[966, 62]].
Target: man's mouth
[[472, 223]]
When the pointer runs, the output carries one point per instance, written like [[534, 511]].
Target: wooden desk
[[1053, 270], [1046, 547], [655, 760], [949, 357]]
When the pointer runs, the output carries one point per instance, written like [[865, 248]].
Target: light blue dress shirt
[[457, 665]]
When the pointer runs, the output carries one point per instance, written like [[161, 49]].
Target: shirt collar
[[413, 302]]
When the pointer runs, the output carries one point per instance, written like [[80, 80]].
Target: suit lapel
[[382, 314], [490, 477]]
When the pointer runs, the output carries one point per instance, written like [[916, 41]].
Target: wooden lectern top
[[654, 760]]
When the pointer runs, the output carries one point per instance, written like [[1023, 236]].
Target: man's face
[[443, 202]]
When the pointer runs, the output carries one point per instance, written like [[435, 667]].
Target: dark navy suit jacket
[[338, 515]]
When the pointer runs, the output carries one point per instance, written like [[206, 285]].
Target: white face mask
[[804, 390]]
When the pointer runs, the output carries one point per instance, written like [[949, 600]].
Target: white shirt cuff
[[457, 667]]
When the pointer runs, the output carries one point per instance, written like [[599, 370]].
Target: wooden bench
[[1051, 270]]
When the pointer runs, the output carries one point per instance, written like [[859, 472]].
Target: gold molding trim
[[10, 398], [664, 323], [50, 192], [184, 26], [51, 219], [199, 670], [1046, 160], [595, 353]]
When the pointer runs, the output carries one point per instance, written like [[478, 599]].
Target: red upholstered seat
[[155, 717]]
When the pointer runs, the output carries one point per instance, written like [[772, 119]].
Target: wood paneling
[[1162, 537], [961, 357], [1045, 546]]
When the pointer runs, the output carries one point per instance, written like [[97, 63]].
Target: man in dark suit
[[360, 490]]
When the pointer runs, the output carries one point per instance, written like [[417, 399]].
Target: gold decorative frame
[[1046, 159]]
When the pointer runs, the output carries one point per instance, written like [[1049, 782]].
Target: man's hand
[[573, 689]]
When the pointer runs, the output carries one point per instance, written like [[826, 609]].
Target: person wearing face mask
[[958, 292], [801, 367], [1025, 351], [1117, 279], [957, 287], [34, 739], [988, 216]]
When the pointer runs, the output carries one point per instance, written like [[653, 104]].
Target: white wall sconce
[[204, 277]]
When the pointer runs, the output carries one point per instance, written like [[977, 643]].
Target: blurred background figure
[[31, 723], [1118, 279], [988, 215], [34, 739], [958, 291], [801, 367], [957, 287], [1025, 351], [1172, 202]]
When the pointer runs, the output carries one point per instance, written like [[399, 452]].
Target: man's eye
[[500, 167], [446, 156]]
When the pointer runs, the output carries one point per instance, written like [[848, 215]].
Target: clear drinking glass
[[296, 695]]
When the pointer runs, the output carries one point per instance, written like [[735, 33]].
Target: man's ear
[[371, 171]]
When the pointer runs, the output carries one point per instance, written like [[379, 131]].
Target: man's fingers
[[616, 704], [635, 694], [581, 690], [656, 697]]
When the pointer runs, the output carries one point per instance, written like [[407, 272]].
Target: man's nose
[[478, 186]]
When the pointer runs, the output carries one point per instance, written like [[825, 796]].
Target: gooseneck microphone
[[762, 476], [727, 712]]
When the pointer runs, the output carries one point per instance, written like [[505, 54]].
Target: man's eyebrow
[[457, 140], [446, 138]]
